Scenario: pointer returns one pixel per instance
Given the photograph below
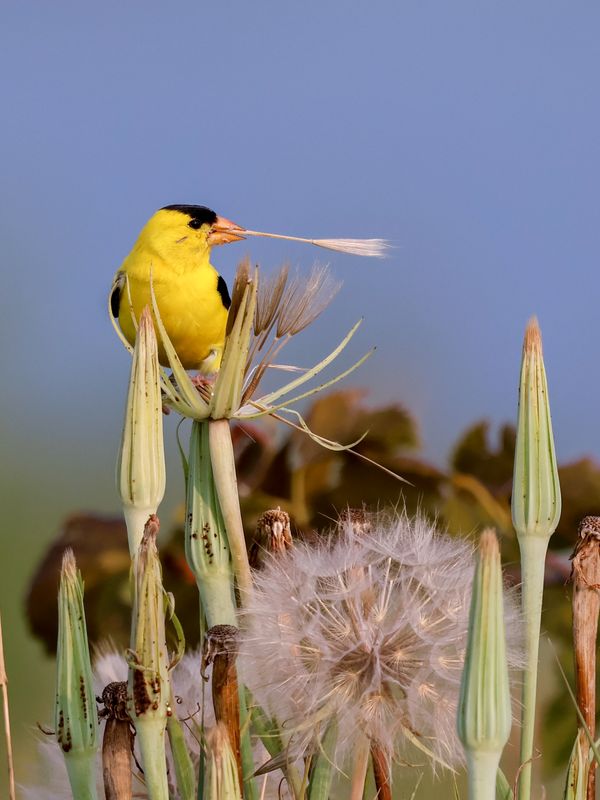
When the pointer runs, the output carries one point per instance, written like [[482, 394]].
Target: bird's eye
[[194, 223]]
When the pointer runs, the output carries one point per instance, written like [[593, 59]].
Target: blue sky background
[[466, 133]]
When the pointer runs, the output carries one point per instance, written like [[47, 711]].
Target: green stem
[[150, 738], [135, 521], [216, 597], [270, 735], [322, 774], [223, 464], [533, 558], [361, 754], [81, 768], [184, 768], [482, 769], [249, 789]]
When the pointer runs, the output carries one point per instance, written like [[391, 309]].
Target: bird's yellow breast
[[190, 306]]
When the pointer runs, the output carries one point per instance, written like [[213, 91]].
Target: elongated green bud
[[229, 385], [536, 506], [536, 501], [141, 464], [148, 687], [76, 718], [206, 544], [484, 712], [221, 780]]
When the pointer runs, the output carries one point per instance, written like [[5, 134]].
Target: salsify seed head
[[368, 628]]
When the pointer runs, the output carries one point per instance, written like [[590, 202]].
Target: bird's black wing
[[116, 290], [224, 292]]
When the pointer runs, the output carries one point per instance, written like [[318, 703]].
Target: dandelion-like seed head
[[370, 629]]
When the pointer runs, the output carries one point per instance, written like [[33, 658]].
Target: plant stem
[[135, 522], [249, 788], [586, 606], [116, 759], [182, 761], [361, 765], [81, 768], [482, 771], [322, 772], [533, 556], [381, 772], [223, 464], [271, 737], [221, 643], [6, 715], [216, 598], [152, 752]]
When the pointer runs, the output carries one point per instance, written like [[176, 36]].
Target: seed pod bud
[[76, 718], [148, 688], [536, 500], [484, 712], [141, 464]]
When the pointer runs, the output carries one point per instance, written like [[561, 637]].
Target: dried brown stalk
[[117, 745], [381, 772], [220, 649], [585, 575], [6, 715]]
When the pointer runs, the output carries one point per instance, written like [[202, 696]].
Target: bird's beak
[[224, 231]]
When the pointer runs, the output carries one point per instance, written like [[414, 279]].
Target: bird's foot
[[204, 385]]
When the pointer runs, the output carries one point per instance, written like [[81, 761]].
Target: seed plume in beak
[[376, 248], [224, 231]]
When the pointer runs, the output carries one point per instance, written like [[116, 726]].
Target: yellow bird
[[175, 246]]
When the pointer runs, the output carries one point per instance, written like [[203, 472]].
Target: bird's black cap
[[202, 214]]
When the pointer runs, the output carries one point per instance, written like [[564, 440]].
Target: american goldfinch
[[173, 251], [174, 248]]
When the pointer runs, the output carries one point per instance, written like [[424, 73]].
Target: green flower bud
[[484, 713], [76, 717], [536, 501], [141, 464], [536, 506], [229, 386], [206, 545], [149, 691]]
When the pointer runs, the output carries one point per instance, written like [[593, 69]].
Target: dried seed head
[[589, 527], [221, 640], [114, 699], [241, 280], [270, 294], [273, 531], [369, 629], [305, 299]]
